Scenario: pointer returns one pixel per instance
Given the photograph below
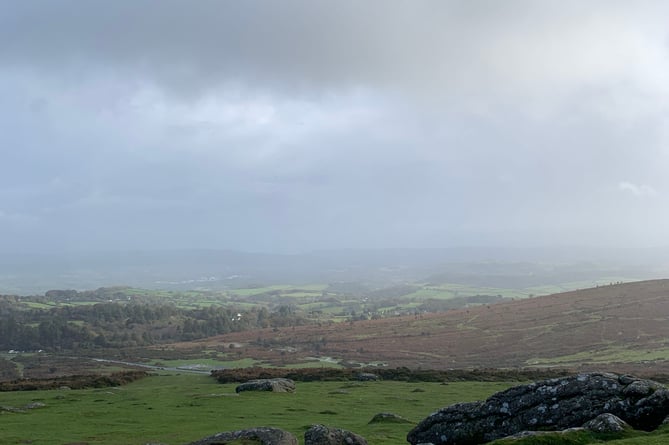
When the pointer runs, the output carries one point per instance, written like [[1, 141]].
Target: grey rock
[[606, 423], [275, 385], [366, 377], [261, 435], [389, 418], [323, 435], [554, 404], [34, 405]]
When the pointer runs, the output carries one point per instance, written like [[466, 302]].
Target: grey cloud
[[297, 125], [466, 50]]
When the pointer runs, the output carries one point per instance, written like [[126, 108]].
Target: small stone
[[323, 435], [366, 377], [389, 418], [34, 405], [274, 385]]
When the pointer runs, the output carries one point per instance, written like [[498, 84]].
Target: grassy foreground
[[175, 409]]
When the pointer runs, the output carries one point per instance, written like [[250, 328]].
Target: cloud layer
[[298, 125]]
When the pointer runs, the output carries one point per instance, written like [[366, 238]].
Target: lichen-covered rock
[[275, 385], [323, 435], [261, 435], [389, 418], [554, 404], [606, 423]]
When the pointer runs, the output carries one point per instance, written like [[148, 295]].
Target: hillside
[[624, 326]]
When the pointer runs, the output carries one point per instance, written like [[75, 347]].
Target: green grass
[[608, 355], [35, 305], [658, 437], [300, 294], [176, 409], [260, 290]]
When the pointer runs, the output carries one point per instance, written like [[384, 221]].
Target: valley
[[617, 326], [430, 350]]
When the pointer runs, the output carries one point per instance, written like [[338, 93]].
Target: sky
[[295, 126]]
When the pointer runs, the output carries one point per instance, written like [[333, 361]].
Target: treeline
[[126, 324]]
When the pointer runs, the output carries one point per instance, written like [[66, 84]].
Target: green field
[[608, 355], [319, 300], [176, 409]]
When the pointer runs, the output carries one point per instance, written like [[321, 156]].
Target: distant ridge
[[178, 269]]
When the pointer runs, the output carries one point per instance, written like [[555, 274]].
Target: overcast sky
[[289, 126]]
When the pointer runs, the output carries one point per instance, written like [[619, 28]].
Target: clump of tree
[[122, 324]]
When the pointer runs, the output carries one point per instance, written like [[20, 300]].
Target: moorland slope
[[618, 327]]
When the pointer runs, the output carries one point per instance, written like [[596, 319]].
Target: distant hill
[[614, 326], [186, 269]]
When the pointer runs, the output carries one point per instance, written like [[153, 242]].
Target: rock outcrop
[[261, 436], [275, 385], [323, 435], [389, 418], [554, 404]]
